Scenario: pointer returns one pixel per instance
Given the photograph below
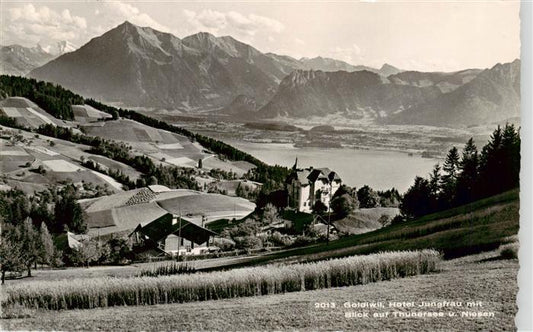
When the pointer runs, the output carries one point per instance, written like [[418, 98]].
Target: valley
[[382, 156]]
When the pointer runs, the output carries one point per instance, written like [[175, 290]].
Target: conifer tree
[[449, 179], [468, 178], [435, 183]]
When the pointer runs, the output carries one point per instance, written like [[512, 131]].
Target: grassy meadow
[[255, 281], [482, 277]]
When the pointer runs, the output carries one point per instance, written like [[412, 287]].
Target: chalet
[[169, 221], [174, 235], [307, 186]]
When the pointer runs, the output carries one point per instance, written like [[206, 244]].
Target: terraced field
[[36, 161], [27, 113], [162, 146]]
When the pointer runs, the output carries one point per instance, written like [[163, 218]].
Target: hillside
[[26, 113], [457, 99], [145, 67], [355, 95], [133, 150], [469, 229], [366, 220], [492, 96], [446, 82], [33, 162], [20, 60]]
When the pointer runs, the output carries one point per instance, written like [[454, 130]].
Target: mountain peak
[[202, 36], [126, 24], [387, 70]]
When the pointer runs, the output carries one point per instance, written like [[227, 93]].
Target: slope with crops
[[257, 281], [58, 102]]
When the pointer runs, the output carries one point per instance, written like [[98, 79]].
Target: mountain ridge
[[19, 60], [142, 67]]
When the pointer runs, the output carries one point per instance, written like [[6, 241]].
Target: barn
[[171, 220]]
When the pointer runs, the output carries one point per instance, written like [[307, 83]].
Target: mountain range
[[142, 67], [19, 60], [463, 98]]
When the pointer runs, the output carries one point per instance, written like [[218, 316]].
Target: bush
[[343, 205], [224, 244], [281, 240], [367, 197], [509, 250], [303, 240], [398, 219], [248, 242]]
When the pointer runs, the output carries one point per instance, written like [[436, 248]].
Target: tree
[[87, 252], [67, 211], [449, 179], [14, 206], [47, 249], [467, 179], [114, 114], [389, 198], [40, 212], [270, 214], [120, 250], [319, 208], [239, 191], [152, 180], [500, 161], [435, 183], [367, 197], [343, 205], [417, 199], [10, 250], [30, 241]]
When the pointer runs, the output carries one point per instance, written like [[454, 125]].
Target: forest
[[467, 176]]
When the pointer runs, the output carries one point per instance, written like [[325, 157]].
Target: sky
[[415, 35]]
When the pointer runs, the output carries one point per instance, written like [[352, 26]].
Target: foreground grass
[[472, 278], [104, 292]]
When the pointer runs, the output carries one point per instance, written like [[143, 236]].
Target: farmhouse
[[308, 186], [162, 218]]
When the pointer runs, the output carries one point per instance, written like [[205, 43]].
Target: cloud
[[117, 12], [28, 23], [232, 23], [349, 54], [299, 41]]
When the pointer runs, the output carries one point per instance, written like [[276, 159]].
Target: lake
[[378, 169]]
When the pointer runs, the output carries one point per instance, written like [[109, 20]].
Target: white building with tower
[[307, 186]]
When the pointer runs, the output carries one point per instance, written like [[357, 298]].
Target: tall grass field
[[254, 281]]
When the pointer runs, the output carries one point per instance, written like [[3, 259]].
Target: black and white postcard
[[260, 166]]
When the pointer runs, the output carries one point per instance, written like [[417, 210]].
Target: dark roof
[[161, 228], [194, 233], [313, 174]]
